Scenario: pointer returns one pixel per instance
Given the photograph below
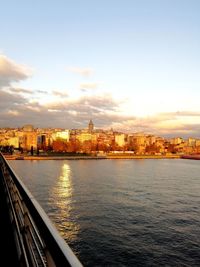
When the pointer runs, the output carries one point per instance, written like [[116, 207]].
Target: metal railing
[[38, 243]]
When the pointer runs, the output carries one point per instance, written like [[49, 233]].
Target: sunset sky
[[133, 65]]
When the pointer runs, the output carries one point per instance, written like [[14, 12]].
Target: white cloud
[[60, 94], [13, 112], [82, 71], [85, 86]]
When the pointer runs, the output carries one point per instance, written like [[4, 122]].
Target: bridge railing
[[38, 243]]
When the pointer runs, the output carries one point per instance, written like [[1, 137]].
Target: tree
[[59, 146]]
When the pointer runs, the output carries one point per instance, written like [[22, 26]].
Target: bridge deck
[[8, 253]]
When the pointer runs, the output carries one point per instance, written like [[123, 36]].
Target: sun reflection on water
[[64, 182], [62, 195]]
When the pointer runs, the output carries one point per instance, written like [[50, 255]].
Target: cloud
[[177, 114], [41, 91], [82, 71], [9, 100], [183, 124], [13, 112], [86, 104], [17, 109], [61, 94], [69, 113], [12, 72], [86, 86], [187, 113], [20, 90]]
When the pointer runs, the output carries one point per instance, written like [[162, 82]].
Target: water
[[121, 212]]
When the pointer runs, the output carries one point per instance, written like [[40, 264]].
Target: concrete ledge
[[15, 157]]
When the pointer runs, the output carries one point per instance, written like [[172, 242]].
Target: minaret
[[90, 126]]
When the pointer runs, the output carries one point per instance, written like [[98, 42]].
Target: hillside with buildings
[[91, 141]]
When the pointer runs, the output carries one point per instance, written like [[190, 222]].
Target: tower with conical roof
[[90, 126]]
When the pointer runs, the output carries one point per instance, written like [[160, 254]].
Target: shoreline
[[144, 157], [26, 157]]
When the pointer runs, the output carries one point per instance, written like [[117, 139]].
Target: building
[[90, 126], [86, 137], [14, 141], [120, 139], [29, 140], [176, 140], [64, 135], [28, 128]]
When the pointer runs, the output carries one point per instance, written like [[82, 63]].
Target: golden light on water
[[64, 182], [62, 195]]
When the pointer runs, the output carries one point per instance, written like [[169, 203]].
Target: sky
[[130, 65]]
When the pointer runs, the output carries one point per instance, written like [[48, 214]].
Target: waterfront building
[[151, 139], [104, 138], [176, 141], [14, 141], [28, 140], [191, 141], [64, 135], [197, 142], [82, 137], [120, 139]]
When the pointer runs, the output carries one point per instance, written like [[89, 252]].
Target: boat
[[196, 157]]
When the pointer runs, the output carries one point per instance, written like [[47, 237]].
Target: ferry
[[196, 157]]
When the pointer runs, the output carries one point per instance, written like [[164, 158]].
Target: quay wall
[[17, 157]]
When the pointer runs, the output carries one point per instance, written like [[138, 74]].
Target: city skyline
[[129, 65]]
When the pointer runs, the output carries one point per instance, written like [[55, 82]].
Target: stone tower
[[90, 126]]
